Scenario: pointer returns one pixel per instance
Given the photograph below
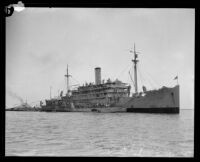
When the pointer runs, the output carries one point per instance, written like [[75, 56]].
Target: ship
[[114, 96], [24, 106]]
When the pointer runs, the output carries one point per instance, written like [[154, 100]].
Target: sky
[[40, 42]]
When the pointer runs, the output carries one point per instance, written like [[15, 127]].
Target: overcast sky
[[40, 42]]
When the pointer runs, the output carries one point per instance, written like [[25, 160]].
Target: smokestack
[[97, 75]]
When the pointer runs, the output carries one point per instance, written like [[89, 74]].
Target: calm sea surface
[[99, 134]]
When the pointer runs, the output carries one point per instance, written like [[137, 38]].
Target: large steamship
[[115, 96]]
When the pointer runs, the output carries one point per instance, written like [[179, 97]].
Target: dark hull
[[168, 110], [55, 110]]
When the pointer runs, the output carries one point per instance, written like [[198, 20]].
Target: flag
[[176, 77]]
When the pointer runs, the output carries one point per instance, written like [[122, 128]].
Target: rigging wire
[[122, 72], [150, 81], [75, 80], [128, 79], [141, 78], [156, 84], [153, 80], [130, 74], [153, 84], [132, 79], [65, 85]]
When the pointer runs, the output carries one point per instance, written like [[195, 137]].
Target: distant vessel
[[114, 96], [22, 107]]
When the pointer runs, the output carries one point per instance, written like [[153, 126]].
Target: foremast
[[67, 76], [135, 61]]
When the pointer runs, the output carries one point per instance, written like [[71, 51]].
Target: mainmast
[[67, 75], [135, 69]]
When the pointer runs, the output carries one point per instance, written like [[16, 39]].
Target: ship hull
[[165, 100], [102, 109], [54, 109], [168, 110]]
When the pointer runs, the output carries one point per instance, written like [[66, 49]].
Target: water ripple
[[99, 134]]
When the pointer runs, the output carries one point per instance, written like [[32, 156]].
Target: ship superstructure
[[89, 96], [100, 94]]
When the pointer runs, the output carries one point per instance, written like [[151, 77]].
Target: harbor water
[[99, 134]]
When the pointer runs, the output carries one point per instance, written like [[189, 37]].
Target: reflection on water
[[99, 134]]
